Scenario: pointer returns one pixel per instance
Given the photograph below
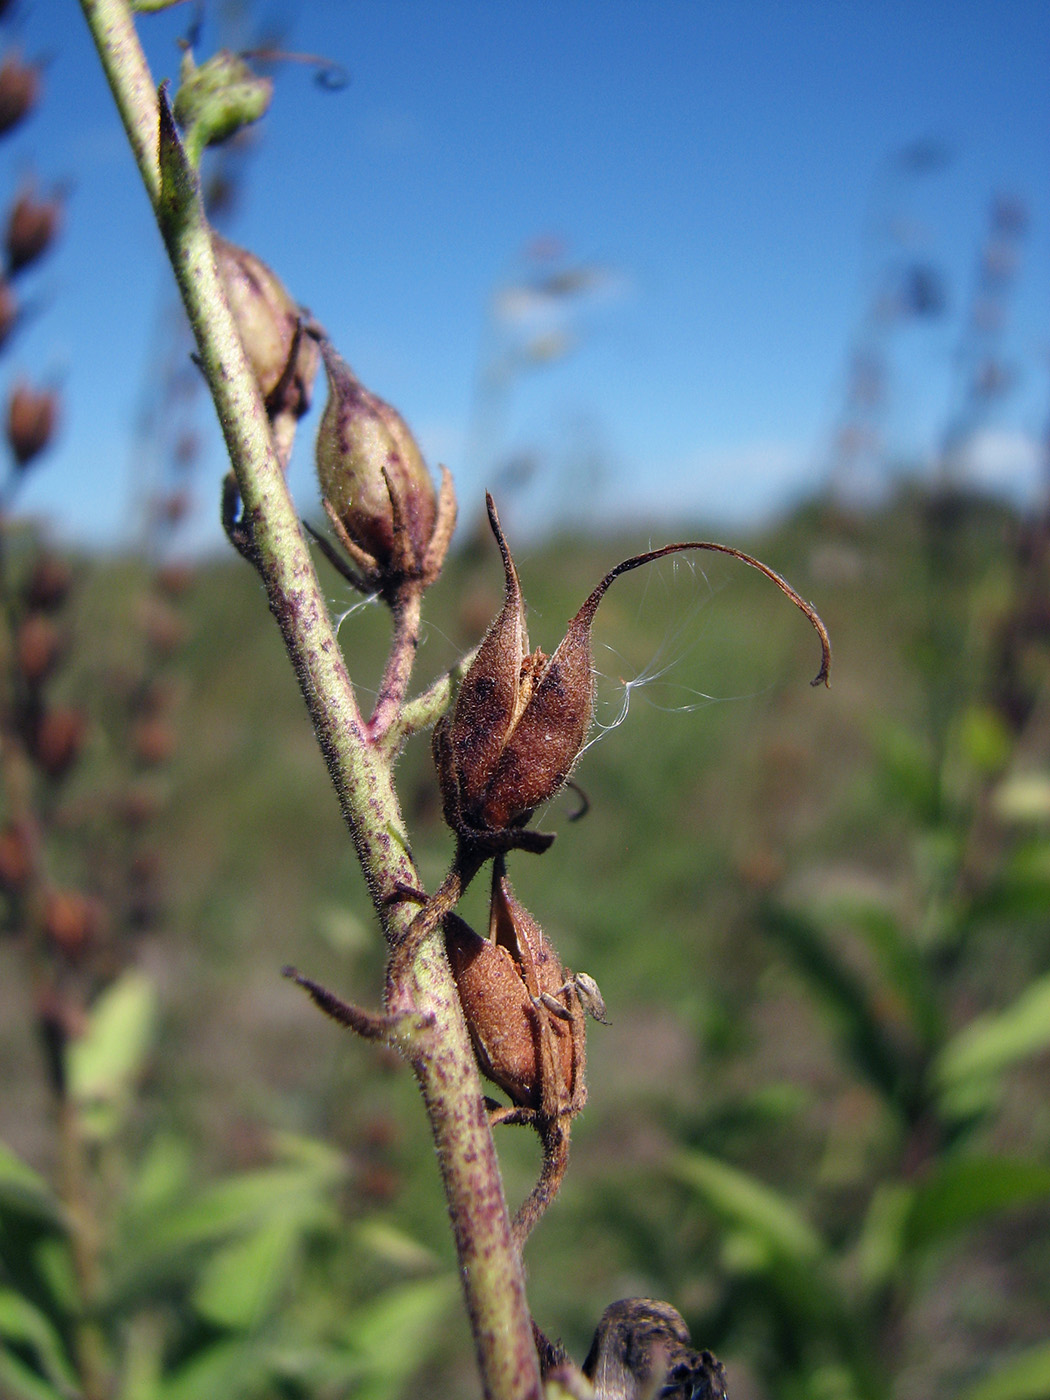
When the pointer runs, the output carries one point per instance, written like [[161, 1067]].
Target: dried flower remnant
[[521, 718]]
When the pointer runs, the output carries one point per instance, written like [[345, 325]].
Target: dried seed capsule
[[267, 321], [521, 719], [515, 999], [642, 1348], [31, 419], [373, 478]]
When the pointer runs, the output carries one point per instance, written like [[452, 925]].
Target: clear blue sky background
[[719, 160]]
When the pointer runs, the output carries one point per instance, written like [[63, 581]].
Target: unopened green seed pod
[[373, 477], [217, 98]]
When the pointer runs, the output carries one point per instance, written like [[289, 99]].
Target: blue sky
[[724, 168]]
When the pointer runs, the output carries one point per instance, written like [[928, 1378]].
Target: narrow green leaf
[[22, 1323], [18, 1382], [1026, 1377], [24, 1191], [845, 998], [243, 1281], [992, 1043], [961, 1193], [105, 1062], [903, 967], [222, 1372], [236, 1204], [746, 1202], [881, 1242], [393, 1337]]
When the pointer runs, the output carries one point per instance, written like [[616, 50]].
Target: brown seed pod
[[31, 228], [153, 741], [72, 921], [8, 309], [16, 858], [283, 361], [19, 89], [373, 478], [37, 647], [518, 1006], [58, 739], [642, 1348], [31, 420], [521, 719], [49, 583]]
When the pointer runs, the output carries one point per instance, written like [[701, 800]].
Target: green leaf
[[1026, 1377], [994, 1042], [242, 1282], [18, 1382], [224, 1370], [24, 1191], [105, 1062], [161, 1179], [902, 965], [391, 1339], [743, 1201], [846, 999], [881, 1243], [961, 1193], [237, 1204], [25, 1325], [394, 1246]]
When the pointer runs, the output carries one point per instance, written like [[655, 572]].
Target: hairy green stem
[[361, 772]]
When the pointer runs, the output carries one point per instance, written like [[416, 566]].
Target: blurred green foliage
[[819, 1122]]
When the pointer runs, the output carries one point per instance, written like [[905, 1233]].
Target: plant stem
[[361, 773]]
